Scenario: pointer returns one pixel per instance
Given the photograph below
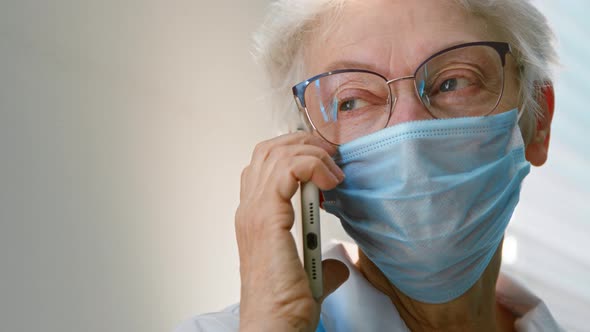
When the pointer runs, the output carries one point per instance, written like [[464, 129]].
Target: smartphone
[[312, 244]]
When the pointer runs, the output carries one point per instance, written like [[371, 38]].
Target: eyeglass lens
[[467, 81]]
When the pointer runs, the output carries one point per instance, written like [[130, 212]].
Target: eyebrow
[[347, 64]]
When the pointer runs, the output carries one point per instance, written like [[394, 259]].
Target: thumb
[[335, 274]]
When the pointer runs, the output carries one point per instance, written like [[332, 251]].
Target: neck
[[476, 310]]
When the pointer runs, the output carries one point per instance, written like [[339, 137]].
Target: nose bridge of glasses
[[396, 88], [409, 77], [410, 107]]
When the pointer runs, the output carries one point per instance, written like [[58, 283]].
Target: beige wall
[[124, 126]]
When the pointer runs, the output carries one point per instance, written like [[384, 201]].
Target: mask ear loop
[[520, 114]]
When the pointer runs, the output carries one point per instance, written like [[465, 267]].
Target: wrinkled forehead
[[391, 37]]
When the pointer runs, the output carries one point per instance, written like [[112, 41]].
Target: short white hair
[[278, 46]]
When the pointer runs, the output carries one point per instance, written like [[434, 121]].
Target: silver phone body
[[312, 244]]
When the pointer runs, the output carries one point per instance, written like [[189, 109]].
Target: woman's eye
[[351, 104], [454, 84]]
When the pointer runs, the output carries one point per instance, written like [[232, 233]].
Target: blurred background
[[124, 127]]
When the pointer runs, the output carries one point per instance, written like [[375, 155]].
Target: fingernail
[[340, 175]]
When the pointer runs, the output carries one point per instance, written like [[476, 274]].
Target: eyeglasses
[[461, 81]]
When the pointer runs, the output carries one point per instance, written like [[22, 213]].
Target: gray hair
[[278, 47]]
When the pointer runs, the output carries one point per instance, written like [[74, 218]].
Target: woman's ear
[[538, 147]]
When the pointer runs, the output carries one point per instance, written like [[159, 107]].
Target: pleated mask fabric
[[429, 201]]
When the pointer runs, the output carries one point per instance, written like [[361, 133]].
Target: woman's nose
[[406, 106]]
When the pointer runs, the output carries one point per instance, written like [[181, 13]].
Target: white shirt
[[358, 306]]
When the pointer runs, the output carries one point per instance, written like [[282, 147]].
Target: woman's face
[[392, 38]]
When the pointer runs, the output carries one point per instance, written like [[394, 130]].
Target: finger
[[335, 274], [286, 175], [289, 152], [263, 149]]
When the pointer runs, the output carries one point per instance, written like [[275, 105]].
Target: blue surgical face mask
[[428, 201]]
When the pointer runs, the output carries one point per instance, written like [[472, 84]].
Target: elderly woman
[[423, 117]]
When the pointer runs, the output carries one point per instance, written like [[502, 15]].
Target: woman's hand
[[275, 293]]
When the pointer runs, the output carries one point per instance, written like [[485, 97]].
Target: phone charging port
[[312, 241]]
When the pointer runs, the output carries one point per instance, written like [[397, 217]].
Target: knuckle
[[286, 173], [266, 149], [325, 157], [282, 165], [261, 148], [279, 153], [303, 137], [245, 173], [317, 163]]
